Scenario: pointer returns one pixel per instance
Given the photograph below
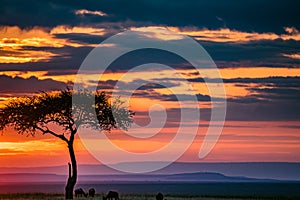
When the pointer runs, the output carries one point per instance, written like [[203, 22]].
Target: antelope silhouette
[[159, 196], [112, 195], [80, 193], [92, 192]]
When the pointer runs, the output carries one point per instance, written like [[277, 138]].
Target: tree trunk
[[72, 173]]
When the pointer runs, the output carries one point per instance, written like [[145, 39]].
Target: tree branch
[[62, 137]]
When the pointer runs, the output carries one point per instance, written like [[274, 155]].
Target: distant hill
[[211, 176], [256, 170], [185, 177]]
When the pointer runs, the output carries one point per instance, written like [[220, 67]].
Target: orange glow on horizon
[[240, 141]]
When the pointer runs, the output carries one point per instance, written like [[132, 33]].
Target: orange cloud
[[258, 72], [24, 74], [228, 35], [291, 30], [25, 56], [76, 29], [157, 32], [13, 40]]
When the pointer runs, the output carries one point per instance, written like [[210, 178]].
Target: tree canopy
[[35, 114]]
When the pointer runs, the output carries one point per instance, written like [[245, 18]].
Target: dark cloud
[[258, 111], [149, 55], [81, 38], [105, 85], [148, 92], [70, 58], [262, 16], [277, 81], [67, 58], [153, 86], [290, 126], [141, 87], [18, 85], [42, 13], [272, 81], [60, 72], [249, 99], [266, 104], [278, 103], [291, 94], [255, 53], [184, 97], [272, 111]]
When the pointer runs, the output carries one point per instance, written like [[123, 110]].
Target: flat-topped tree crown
[[35, 114]]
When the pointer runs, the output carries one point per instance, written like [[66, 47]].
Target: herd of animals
[[111, 195]]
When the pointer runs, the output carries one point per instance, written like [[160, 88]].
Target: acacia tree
[[43, 112]]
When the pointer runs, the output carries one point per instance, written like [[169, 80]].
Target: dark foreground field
[[147, 191], [44, 196]]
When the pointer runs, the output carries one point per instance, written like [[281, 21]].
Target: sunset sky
[[255, 45]]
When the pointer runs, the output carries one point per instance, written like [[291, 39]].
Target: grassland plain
[[57, 196]]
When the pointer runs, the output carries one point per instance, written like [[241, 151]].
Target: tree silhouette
[[43, 112]]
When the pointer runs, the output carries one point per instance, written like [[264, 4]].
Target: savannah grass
[[56, 196]]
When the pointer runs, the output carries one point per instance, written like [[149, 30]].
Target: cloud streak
[[89, 12], [78, 30], [295, 56], [232, 35], [19, 86]]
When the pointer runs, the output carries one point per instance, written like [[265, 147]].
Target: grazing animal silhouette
[[80, 193], [92, 192], [159, 196], [112, 195]]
